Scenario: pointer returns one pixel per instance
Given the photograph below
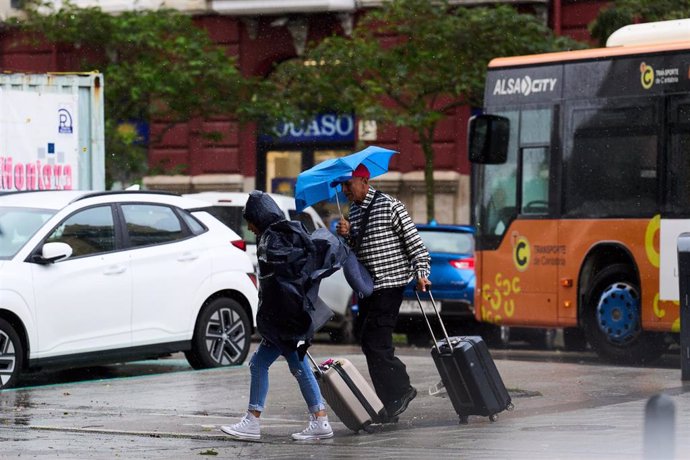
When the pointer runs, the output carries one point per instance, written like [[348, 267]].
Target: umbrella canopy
[[317, 183], [317, 192]]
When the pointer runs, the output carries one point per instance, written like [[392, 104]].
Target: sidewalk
[[562, 411]]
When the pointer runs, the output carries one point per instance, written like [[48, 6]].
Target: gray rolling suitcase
[[468, 373], [350, 396]]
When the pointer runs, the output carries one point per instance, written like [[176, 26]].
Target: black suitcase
[[468, 373]]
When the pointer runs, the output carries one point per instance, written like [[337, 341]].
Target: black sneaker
[[399, 406], [383, 417]]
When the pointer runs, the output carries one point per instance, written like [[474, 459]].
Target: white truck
[[51, 132]]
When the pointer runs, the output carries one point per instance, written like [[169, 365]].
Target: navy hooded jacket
[[292, 264]]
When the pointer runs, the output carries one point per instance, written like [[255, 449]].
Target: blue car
[[451, 248]]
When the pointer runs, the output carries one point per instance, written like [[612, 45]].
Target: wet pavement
[[563, 410]]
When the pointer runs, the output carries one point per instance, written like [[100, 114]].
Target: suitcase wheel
[[368, 428], [493, 417], [463, 420], [510, 406]]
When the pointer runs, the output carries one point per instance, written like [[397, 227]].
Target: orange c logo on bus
[[650, 235], [646, 75], [521, 254]]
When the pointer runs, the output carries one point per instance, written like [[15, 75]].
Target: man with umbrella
[[387, 244]]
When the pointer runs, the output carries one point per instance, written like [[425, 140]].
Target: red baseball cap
[[361, 171]]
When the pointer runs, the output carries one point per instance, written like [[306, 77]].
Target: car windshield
[[17, 226], [451, 242]]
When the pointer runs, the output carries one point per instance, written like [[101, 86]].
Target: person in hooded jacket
[[291, 265]]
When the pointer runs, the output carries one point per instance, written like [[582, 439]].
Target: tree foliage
[[156, 65], [624, 12], [407, 64]]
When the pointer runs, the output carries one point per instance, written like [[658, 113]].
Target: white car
[[94, 277], [334, 290]]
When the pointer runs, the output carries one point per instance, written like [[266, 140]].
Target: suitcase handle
[[318, 368], [438, 316]]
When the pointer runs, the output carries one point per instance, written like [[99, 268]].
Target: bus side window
[[611, 163], [678, 172], [678, 168]]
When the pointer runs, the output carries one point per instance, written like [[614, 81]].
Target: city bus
[[580, 187]]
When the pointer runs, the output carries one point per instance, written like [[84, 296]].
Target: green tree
[[407, 64], [156, 65], [624, 12]]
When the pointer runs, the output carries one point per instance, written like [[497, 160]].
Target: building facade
[[261, 33]]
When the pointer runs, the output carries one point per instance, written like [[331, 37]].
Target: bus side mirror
[[488, 139]]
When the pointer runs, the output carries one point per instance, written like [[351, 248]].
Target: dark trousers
[[377, 315]]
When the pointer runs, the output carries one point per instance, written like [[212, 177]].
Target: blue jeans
[[266, 355]]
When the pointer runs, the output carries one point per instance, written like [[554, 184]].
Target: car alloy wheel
[[11, 353], [225, 336], [222, 335]]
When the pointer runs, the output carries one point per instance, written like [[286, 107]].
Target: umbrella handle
[[337, 200]]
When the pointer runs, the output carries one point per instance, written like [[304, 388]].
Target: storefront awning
[[229, 7], [268, 7]]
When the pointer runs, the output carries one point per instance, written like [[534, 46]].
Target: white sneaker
[[318, 428], [249, 428]]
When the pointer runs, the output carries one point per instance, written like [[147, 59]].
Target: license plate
[[411, 307]]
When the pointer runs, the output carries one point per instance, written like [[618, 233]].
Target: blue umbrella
[[321, 182], [321, 191]]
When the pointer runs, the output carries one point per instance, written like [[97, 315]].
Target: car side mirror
[[488, 139], [53, 252]]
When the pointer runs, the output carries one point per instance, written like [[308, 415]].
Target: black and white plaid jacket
[[391, 249]]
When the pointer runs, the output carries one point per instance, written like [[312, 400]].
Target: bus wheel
[[612, 318]]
